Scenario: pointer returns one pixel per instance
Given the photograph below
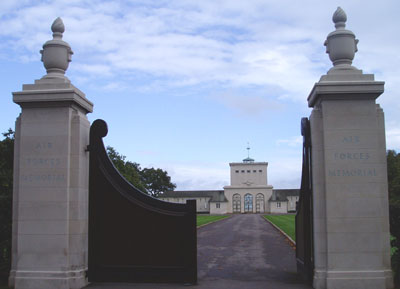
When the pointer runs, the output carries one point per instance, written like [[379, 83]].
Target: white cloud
[[235, 44], [113, 86], [93, 69], [295, 141], [284, 172], [248, 105], [187, 176], [185, 43]]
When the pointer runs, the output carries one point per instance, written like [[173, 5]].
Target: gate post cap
[[56, 53], [341, 44]]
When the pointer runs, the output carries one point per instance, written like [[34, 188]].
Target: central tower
[[248, 191]]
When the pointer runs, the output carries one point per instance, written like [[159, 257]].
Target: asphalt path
[[240, 252]]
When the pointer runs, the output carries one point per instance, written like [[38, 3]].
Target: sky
[[186, 85]]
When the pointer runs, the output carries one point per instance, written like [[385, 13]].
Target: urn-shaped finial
[[56, 53], [341, 44]]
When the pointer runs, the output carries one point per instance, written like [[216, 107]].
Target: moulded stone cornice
[[345, 90], [248, 187], [52, 97], [254, 163]]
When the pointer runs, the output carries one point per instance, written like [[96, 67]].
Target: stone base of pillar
[[353, 279], [48, 279], [319, 281]]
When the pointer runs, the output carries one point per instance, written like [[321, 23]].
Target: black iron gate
[[132, 236], [304, 216]]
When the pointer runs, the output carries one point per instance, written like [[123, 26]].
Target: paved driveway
[[243, 252]]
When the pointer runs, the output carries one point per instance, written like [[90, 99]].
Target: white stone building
[[248, 192]]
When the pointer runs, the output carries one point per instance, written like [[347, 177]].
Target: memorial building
[[248, 192]]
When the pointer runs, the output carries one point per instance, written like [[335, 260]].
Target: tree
[[130, 170], [156, 181], [393, 165], [6, 187], [150, 181]]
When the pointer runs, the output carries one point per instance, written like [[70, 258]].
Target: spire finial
[[56, 53], [248, 159]]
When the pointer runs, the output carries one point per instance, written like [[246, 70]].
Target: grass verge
[[285, 222], [205, 219]]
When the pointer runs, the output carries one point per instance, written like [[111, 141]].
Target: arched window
[[236, 203], [248, 203], [260, 203]]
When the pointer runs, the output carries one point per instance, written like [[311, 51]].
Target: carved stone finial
[[341, 44], [58, 28], [339, 18], [56, 53]]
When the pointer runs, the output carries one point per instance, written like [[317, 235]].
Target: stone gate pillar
[[350, 191], [50, 207]]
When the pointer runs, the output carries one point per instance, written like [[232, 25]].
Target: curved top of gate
[[98, 130]]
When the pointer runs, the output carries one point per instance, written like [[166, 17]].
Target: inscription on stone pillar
[[43, 166], [354, 161]]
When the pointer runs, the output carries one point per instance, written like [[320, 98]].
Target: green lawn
[[204, 219], [285, 222]]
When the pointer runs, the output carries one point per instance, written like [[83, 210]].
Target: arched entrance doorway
[[236, 203], [260, 203], [248, 203]]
